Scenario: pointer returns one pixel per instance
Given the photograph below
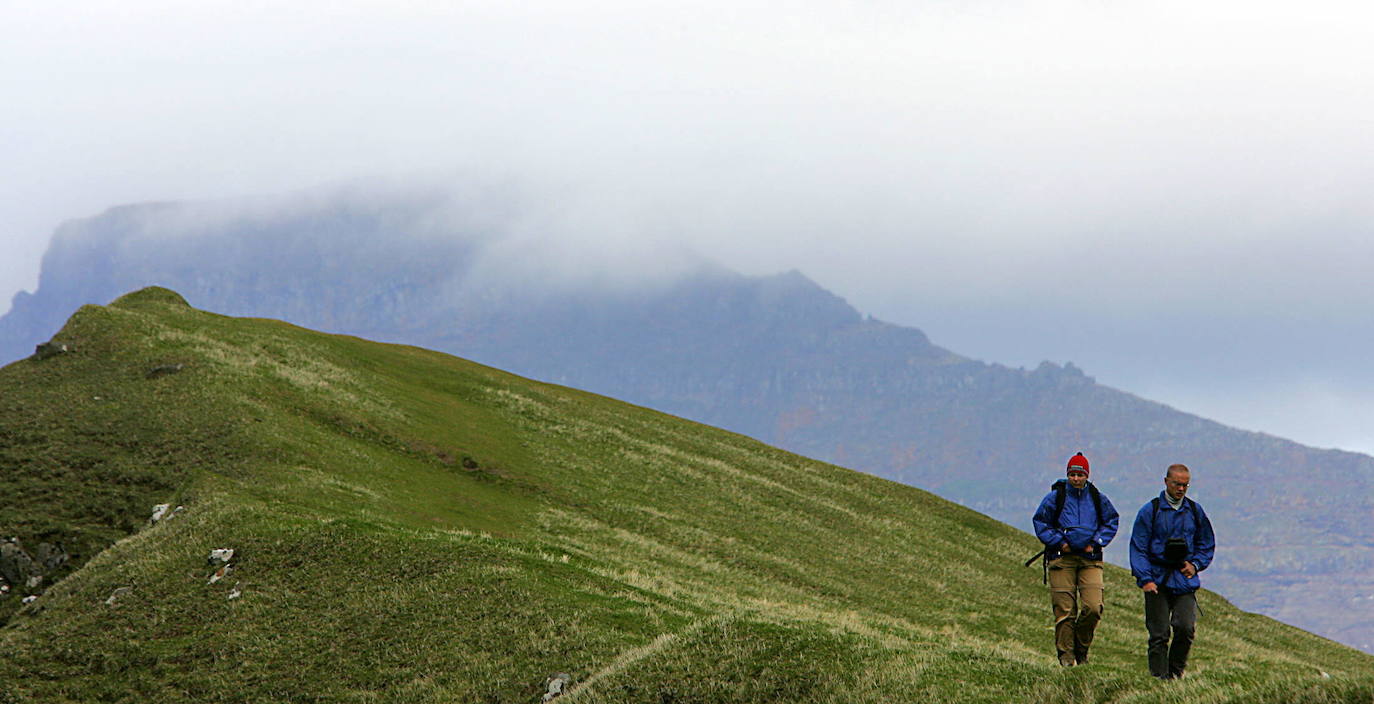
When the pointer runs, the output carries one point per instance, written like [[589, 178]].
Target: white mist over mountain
[[1171, 196]]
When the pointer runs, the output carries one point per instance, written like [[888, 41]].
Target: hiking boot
[[1067, 660], [1080, 656]]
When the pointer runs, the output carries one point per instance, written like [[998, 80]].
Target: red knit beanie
[[1078, 461]]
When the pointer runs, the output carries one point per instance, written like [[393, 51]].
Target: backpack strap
[[1060, 491], [1154, 520]]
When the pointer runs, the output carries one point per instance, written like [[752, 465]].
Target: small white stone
[[221, 573], [557, 685], [220, 556]]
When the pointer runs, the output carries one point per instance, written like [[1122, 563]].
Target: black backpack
[[1192, 505]]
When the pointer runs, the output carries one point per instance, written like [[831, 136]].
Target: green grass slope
[[411, 527]]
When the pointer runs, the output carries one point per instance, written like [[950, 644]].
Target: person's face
[[1176, 483], [1078, 479]]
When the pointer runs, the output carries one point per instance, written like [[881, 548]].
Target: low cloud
[[957, 166]]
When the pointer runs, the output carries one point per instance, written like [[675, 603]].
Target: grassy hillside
[[411, 527]]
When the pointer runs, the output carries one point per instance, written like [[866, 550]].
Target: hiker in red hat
[[1075, 521]]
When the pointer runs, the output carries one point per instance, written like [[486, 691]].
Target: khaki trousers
[[1076, 594]]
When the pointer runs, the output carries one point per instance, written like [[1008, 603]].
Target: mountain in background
[[777, 358], [361, 522]]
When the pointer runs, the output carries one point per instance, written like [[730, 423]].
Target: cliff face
[[777, 358], [337, 266]]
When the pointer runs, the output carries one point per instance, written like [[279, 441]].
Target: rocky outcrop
[[163, 370], [16, 567], [48, 350], [25, 572], [337, 266], [118, 594], [221, 560], [162, 512], [556, 686]]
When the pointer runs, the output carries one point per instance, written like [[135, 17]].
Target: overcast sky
[[1172, 195]]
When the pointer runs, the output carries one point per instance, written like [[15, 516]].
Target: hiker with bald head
[[1075, 521], [1171, 542]]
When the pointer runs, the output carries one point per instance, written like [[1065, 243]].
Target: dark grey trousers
[[1163, 613]]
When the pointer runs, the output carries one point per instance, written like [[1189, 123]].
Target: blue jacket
[[1079, 525], [1152, 529]]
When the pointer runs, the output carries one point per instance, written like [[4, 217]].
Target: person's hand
[[1188, 570], [1089, 549], [1063, 547], [1150, 588]]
